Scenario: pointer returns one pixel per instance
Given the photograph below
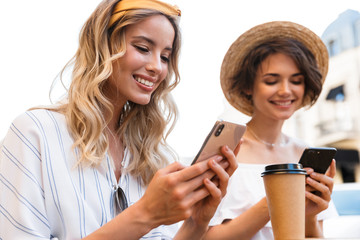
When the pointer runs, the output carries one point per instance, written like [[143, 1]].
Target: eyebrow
[[150, 41], [276, 75]]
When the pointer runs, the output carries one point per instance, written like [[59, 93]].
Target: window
[[336, 94], [334, 47]]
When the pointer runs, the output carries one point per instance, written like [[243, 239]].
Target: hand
[[204, 210], [174, 190], [169, 198], [318, 190]]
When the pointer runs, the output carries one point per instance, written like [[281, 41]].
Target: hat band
[[124, 5]]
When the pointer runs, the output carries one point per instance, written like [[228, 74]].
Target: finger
[[326, 180], [309, 188], [309, 171], [185, 185], [237, 148], [221, 174], [196, 196], [331, 171], [210, 174], [320, 202], [223, 164], [211, 188], [215, 180], [174, 167], [196, 169], [320, 187], [230, 156], [214, 191]]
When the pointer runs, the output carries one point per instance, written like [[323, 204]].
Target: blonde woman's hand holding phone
[[182, 187], [215, 187]]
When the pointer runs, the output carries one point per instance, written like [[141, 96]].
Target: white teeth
[[145, 82], [283, 103]]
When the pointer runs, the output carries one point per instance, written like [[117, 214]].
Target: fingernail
[[214, 163], [219, 158], [227, 148]]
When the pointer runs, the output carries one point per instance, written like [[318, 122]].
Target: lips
[[144, 82]]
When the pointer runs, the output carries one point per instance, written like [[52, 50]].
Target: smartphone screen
[[222, 133], [318, 159]]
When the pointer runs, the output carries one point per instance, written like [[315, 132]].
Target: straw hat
[[257, 35]]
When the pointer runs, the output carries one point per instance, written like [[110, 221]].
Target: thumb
[[332, 169]]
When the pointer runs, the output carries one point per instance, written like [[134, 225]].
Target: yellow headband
[[124, 5]]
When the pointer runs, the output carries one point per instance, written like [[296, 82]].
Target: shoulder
[[35, 123], [37, 118], [297, 145]]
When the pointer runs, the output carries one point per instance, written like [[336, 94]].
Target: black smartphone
[[222, 133], [318, 158]]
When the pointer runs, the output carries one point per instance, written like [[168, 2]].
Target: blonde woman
[[96, 165]]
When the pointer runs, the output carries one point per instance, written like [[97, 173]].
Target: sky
[[38, 37]]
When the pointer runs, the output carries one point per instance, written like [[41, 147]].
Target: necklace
[[270, 145]]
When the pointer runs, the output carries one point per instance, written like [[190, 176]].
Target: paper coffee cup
[[285, 195]]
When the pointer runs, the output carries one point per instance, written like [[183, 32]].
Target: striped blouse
[[45, 195]]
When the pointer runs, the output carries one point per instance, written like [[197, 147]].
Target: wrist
[[201, 225], [131, 223], [311, 220], [142, 217], [197, 230], [313, 227]]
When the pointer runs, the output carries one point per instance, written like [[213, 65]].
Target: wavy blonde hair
[[142, 128]]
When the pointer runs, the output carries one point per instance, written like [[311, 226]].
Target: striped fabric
[[45, 195]]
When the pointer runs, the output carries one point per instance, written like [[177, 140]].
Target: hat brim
[[261, 34]]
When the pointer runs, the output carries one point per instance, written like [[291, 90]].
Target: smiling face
[[278, 89], [138, 73]]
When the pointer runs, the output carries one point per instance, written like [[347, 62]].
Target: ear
[[248, 92]]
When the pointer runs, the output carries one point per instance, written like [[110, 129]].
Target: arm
[[22, 212], [130, 224], [244, 226], [27, 158], [180, 190], [166, 201], [318, 200]]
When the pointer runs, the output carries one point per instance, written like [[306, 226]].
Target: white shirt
[[245, 189], [45, 195]]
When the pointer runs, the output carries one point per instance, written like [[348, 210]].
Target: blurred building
[[335, 119]]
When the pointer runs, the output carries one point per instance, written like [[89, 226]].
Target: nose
[[154, 65], [284, 88]]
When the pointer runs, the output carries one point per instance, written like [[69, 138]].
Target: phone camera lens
[[219, 130]]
